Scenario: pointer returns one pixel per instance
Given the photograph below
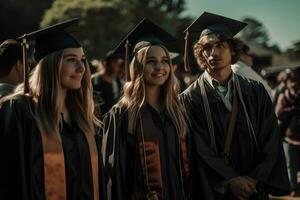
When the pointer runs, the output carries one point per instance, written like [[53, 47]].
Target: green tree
[[100, 24], [103, 23], [255, 32]]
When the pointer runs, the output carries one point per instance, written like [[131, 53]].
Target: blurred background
[[272, 33]]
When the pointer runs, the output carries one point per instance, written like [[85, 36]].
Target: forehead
[[155, 51], [209, 39], [74, 51]]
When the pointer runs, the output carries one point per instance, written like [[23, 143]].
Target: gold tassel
[[186, 52], [25, 46], [127, 75]]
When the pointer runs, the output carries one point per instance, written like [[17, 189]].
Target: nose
[[158, 66], [80, 66]]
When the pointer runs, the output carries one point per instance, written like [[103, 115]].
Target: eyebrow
[[152, 57], [73, 55]]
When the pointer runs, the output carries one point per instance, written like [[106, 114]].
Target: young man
[[11, 67], [233, 124]]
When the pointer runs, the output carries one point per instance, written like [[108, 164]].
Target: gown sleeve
[[13, 173]]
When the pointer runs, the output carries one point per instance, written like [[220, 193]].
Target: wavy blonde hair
[[46, 91], [135, 94]]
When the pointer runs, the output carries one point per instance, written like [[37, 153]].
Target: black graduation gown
[[106, 90], [266, 165], [126, 174], [22, 166]]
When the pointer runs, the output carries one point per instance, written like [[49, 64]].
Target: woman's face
[[157, 68], [73, 68]]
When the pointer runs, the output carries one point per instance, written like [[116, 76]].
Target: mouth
[[158, 75], [214, 61], [77, 78]]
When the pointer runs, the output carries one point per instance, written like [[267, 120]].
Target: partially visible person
[[243, 66], [282, 78], [108, 83], [11, 67], [177, 66], [145, 132], [288, 113], [48, 145]]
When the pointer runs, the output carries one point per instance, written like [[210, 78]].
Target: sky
[[280, 17]]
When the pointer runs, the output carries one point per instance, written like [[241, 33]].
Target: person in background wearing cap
[[288, 113], [11, 66], [108, 83], [47, 141], [243, 66], [234, 127], [144, 142]]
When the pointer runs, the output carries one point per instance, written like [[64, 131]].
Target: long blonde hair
[[46, 91], [135, 93]]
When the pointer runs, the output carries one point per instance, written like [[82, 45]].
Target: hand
[[242, 187]]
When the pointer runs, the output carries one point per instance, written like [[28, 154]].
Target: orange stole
[[54, 167]]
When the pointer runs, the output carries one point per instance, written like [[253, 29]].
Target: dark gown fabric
[[127, 173], [22, 166], [106, 90], [266, 164]]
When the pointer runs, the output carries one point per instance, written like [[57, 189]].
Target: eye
[[220, 44], [83, 60], [150, 62], [166, 61], [71, 60]]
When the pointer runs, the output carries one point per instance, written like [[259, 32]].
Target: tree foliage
[[255, 32], [103, 23]]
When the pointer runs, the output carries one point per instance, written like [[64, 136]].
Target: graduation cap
[[144, 34], [47, 41], [209, 23]]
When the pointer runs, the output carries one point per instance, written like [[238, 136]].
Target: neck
[[152, 96], [221, 75]]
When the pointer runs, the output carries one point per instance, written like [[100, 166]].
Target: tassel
[[186, 52], [127, 75], [25, 46]]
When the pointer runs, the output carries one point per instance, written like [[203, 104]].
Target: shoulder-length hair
[[46, 91], [135, 94], [199, 46]]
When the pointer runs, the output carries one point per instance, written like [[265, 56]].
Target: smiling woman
[[49, 132], [73, 68], [149, 153]]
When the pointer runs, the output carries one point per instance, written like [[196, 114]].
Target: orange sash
[[54, 167]]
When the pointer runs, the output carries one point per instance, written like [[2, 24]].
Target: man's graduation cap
[[209, 23], [144, 34], [47, 41]]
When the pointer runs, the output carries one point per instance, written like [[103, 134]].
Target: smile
[[159, 74]]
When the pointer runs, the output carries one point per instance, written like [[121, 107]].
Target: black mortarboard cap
[[52, 38], [47, 41], [209, 23], [145, 33]]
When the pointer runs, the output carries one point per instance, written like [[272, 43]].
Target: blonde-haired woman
[[48, 145], [144, 146]]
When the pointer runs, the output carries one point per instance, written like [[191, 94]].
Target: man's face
[[216, 53]]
